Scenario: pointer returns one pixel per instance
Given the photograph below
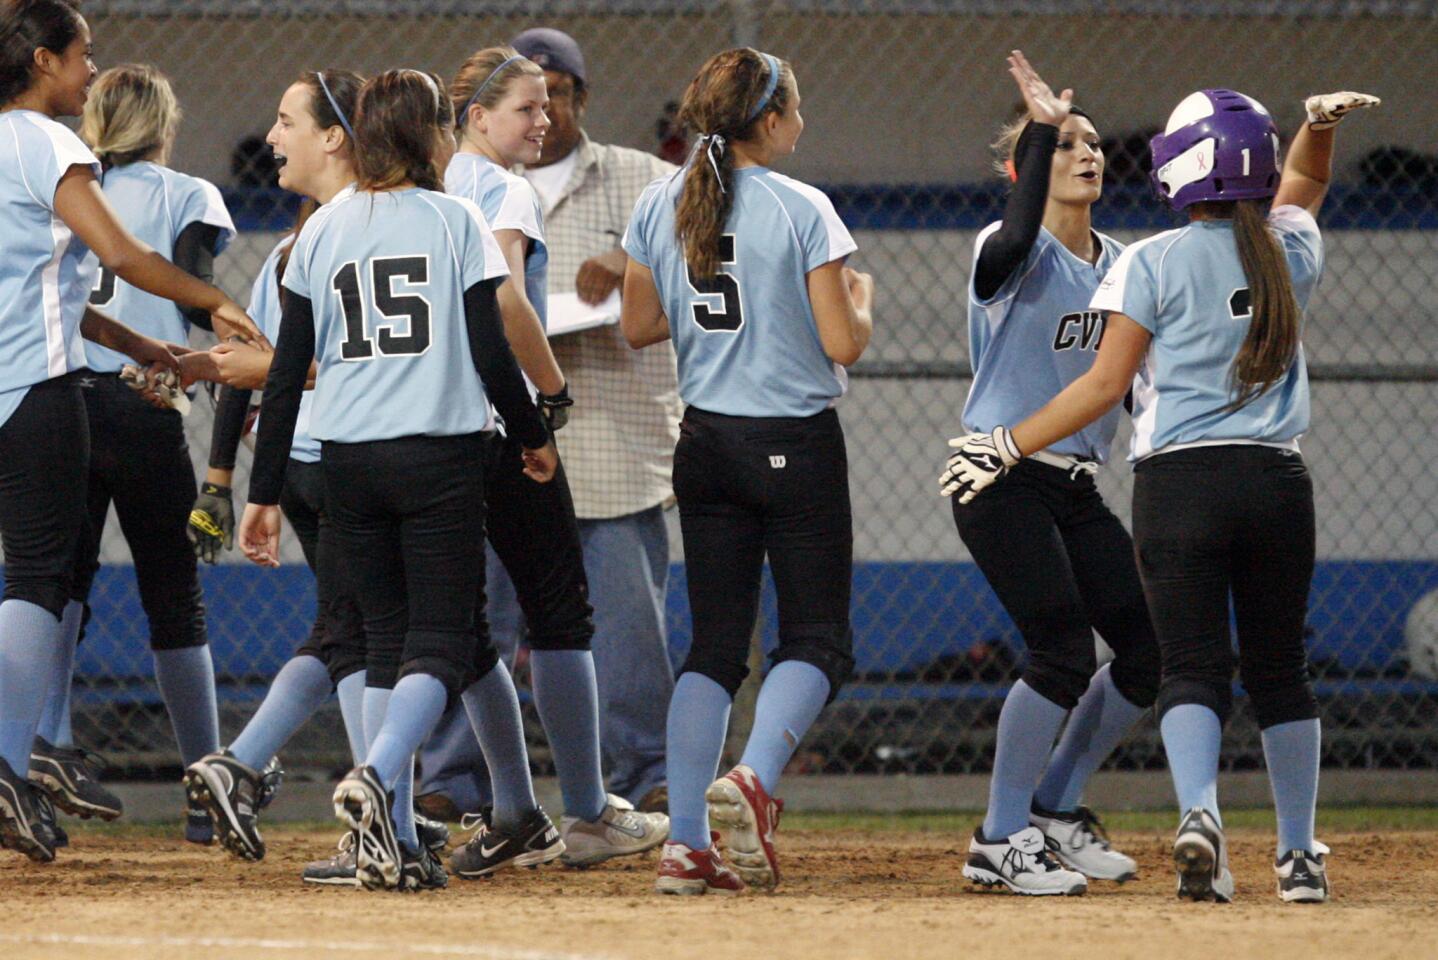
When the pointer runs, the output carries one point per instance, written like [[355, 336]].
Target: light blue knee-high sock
[[55, 720], [493, 710], [413, 711], [30, 641], [1097, 725], [373, 708], [1028, 724], [350, 692], [1291, 751], [568, 702], [187, 685], [298, 690], [1192, 737], [789, 701], [698, 722]]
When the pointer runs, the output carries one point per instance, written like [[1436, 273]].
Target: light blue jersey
[[509, 203], [44, 277], [386, 274], [1034, 337], [265, 310], [1187, 288], [154, 203], [746, 341]]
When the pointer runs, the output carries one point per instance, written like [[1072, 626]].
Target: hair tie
[[769, 89], [334, 104], [460, 120], [716, 142]]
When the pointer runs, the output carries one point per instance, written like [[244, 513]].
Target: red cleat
[[690, 872], [746, 817]]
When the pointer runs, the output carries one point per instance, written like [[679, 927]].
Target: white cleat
[[1303, 875], [620, 831], [1023, 863], [1082, 844], [1200, 854]]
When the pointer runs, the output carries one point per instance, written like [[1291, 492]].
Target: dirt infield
[[895, 895]]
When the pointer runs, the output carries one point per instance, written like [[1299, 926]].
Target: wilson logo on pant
[[777, 462]]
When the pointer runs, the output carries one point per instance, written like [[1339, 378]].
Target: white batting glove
[[166, 387], [978, 461], [1326, 109]]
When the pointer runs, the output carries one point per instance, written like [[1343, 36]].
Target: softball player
[[500, 101], [1204, 323], [52, 214], [139, 458], [312, 136], [744, 268], [392, 291], [1061, 563]]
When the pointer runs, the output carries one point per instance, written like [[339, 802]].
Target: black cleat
[[229, 791], [432, 833], [22, 827], [1200, 855], [271, 776], [421, 871], [1303, 875], [362, 805], [69, 775], [199, 828], [45, 810], [533, 842], [338, 870]]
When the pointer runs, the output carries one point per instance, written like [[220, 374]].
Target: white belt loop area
[[1073, 465]]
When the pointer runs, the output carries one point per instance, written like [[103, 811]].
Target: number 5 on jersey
[[408, 310], [712, 319]]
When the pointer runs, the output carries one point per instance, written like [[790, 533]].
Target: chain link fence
[[901, 100]]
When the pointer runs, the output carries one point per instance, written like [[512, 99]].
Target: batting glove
[[555, 408], [978, 460], [1325, 110], [212, 522], [166, 386]]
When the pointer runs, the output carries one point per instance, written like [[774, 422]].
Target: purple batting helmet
[[1218, 145]]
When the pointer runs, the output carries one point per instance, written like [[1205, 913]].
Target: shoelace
[[475, 822], [1089, 824]]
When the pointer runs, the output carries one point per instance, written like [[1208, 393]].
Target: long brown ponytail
[[1272, 341], [724, 100]]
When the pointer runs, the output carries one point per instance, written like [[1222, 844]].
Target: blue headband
[[463, 117], [334, 105], [768, 90]]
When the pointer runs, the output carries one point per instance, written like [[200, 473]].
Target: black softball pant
[[337, 637], [536, 536], [1229, 521], [44, 457], [1063, 566], [408, 516], [754, 486], [140, 461]]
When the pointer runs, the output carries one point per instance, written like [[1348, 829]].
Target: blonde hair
[[1007, 142], [131, 112], [482, 73]]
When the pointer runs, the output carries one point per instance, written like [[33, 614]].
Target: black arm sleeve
[[195, 254], [230, 414], [283, 390], [497, 367], [1005, 249]]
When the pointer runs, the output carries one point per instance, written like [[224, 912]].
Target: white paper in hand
[[569, 314]]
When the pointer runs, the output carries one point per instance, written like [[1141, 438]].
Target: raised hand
[[1043, 106], [1325, 110]]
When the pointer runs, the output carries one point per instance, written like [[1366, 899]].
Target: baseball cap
[[553, 50]]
